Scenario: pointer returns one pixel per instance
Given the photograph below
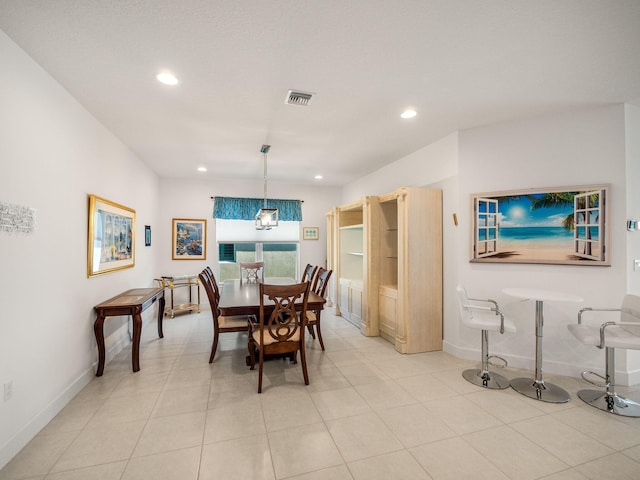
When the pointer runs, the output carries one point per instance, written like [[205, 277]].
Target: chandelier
[[266, 218]]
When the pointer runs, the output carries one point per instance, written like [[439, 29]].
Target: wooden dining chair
[[251, 272], [221, 324], [313, 316], [214, 283], [280, 330], [308, 275]]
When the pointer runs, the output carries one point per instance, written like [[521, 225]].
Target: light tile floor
[[369, 413]]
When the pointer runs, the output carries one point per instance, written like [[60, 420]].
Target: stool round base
[[546, 392], [610, 403], [488, 379]]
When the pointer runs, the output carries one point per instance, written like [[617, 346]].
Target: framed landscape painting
[[566, 225], [112, 238], [189, 239]]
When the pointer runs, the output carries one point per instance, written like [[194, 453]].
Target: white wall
[[192, 199], [52, 154], [576, 148]]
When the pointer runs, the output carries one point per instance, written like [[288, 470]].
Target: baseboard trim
[[13, 446]]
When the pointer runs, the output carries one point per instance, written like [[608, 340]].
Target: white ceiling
[[460, 64]]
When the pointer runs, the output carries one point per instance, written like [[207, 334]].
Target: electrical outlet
[[8, 391]]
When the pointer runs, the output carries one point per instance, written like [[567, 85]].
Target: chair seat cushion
[[236, 321], [268, 339], [489, 321], [311, 316], [615, 336]]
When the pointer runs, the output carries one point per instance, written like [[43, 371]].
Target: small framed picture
[[189, 239], [310, 233], [147, 235]]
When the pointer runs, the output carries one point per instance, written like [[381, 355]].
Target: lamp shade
[[266, 218]]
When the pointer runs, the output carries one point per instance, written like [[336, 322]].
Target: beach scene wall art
[[567, 225]]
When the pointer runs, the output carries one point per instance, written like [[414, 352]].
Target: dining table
[[537, 388], [238, 298]]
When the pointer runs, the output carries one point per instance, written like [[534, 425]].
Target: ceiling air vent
[[298, 98]]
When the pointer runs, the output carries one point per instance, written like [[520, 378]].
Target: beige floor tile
[[633, 453], [340, 472], [176, 465], [359, 374], [397, 466], [317, 451], [122, 409], [184, 400], [454, 459], [108, 471], [462, 415], [327, 378], [601, 426], [240, 417], [565, 442], [614, 466], [189, 377], [247, 457], [340, 403], [103, 444], [192, 361], [415, 425], [175, 432], [38, 456], [288, 408], [426, 387], [72, 417], [514, 454], [362, 436], [144, 381], [570, 474], [387, 394], [507, 405]]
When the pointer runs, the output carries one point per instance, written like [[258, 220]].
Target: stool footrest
[[588, 380]]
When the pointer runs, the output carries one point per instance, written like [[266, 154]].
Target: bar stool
[[624, 333], [484, 315]]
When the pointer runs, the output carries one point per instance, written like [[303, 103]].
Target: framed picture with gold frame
[[189, 239], [111, 236]]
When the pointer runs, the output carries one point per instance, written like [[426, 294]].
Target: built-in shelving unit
[[388, 254]]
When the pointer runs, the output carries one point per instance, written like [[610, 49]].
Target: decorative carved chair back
[[309, 273], [321, 282], [252, 272]]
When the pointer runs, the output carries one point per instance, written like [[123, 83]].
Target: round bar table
[[537, 388]]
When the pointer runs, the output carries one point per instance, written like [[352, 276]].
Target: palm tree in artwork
[[563, 199]]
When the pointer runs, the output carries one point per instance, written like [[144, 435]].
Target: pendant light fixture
[[266, 218]]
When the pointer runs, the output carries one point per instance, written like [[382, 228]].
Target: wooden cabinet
[[387, 252], [409, 269], [350, 301]]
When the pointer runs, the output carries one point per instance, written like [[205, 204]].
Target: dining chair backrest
[[322, 281], [209, 272], [309, 273], [207, 283], [284, 297], [251, 272]]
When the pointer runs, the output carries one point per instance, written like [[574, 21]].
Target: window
[[280, 259]]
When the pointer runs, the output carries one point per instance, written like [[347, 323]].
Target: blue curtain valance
[[231, 208]]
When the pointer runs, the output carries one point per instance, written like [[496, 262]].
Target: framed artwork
[[112, 236], [310, 233], [189, 239], [567, 225], [147, 235]]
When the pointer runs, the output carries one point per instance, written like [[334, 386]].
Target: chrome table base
[[540, 390]]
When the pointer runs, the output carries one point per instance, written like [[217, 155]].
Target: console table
[[172, 282], [132, 302]]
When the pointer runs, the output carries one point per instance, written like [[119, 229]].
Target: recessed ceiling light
[[318, 177], [167, 78], [202, 169], [408, 114]]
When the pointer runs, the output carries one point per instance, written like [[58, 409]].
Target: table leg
[[537, 388], [161, 315], [135, 349], [99, 332]]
